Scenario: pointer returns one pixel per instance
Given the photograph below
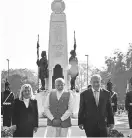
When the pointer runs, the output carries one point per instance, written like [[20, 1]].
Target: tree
[[81, 81], [129, 57], [119, 69], [17, 78]]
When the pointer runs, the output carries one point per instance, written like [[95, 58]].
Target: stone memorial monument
[[58, 63], [57, 52]]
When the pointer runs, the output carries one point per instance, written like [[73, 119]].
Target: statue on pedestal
[[73, 61], [43, 69]]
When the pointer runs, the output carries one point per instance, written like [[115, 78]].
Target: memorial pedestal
[[41, 97], [76, 105]]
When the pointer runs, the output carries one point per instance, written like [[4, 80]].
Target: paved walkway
[[121, 124]]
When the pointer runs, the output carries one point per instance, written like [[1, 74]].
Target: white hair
[[96, 76], [60, 80], [23, 88]]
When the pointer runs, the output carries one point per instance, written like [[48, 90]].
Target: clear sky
[[101, 26]]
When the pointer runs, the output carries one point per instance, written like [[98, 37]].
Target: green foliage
[[18, 77], [119, 70], [81, 80], [6, 132], [119, 62], [129, 57], [115, 133]]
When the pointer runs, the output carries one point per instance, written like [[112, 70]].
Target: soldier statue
[[8, 100], [73, 61], [128, 105], [43, 69], [113, 96]]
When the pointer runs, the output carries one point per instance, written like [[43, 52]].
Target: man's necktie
[[96, 97]]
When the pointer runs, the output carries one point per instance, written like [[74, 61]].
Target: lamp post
[[87, 69], [8, 68]]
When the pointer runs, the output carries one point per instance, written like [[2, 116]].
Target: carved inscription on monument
[[58, 45], [58, 50], [57, 32], [58, 54]]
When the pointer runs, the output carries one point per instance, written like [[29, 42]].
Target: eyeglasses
[[26, 90], [60, 85]]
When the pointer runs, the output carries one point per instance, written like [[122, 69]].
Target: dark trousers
[[24, 131], [130, 120], [43, 83], [73, 83], [96, 132], [114, 109], [7, 115]]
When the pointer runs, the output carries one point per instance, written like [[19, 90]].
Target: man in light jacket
[[58, 108]]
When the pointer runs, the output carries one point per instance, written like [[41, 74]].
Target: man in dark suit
[[95, 111], [128, 106], [113, 96]]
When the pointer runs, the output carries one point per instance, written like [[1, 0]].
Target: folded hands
[[56, 122]]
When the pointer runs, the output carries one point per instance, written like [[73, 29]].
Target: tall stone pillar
[[57, 52]]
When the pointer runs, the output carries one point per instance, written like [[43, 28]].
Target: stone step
[[74, 122], [43, 122]]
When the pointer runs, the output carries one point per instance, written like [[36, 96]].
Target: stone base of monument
[[76, 97], [41, 97]]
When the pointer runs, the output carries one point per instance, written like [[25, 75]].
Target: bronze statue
[[43, 69], [73, 61]]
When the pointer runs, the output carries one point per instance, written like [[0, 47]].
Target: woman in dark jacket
[[25, 113]]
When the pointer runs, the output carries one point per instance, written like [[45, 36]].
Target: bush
[[115, 133], [6, 132]]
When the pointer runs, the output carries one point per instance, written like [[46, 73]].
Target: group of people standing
[[95, 116]]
